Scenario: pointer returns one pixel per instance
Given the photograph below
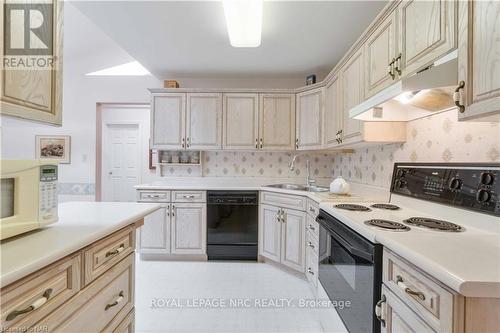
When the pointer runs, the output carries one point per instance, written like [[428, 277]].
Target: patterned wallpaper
[[437, 138]]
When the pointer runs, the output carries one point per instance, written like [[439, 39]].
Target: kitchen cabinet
[[270, 232], [426, 32], [352, 76], [277, 121], [168, 116], [204, 121], [333, 109], [240, 121], [154, 235], [282, 232], [380, 52], [309, 115], [189, 228], [478, 60], [30, 92], [293, 239]]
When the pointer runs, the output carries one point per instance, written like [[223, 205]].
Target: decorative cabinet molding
[[479, 60], [277, 121], [426, 32], [241, 121], [189, 228], [35, 93], [154, 236], [309, 114]]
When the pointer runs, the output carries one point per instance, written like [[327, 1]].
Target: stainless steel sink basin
[[296, 187]]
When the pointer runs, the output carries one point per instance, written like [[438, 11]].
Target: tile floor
[[166, 293]]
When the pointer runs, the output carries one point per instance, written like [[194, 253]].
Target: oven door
[[347, 273]]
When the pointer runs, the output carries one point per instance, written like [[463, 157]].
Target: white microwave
[[28, 195]]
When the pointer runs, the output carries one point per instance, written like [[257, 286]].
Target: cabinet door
[[27, 91], [241, 121], [309, 119], [269, 233], [293, 240], [167, 120], [426, 32], [479, 59], [399, 318], [204, 121], [189, 228], [277, 121], [333, 107], [154, 235], [352, 94], [380, 50]]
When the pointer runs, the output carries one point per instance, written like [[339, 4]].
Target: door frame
[[100, 108]]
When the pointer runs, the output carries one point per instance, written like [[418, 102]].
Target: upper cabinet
[[479, 60], [309, 119], [204, 121], [332, 112], [352, 78], [426, 32], [186, 121], [277, 121], [241, 121], [380, 54], [168, 115], [31, 92]]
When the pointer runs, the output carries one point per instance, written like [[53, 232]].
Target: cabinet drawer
[[312, 241], [189, 196], [127, 325], [100, 305], [47, 289], [154, 196], [312, 226], [424, 295], [312, 267], [283, 200], [312, 208], [102, 255]]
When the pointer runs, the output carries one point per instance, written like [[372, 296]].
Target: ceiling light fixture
[[133, 68], [244, 22]]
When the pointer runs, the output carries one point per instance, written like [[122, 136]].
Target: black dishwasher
[[232, 219]]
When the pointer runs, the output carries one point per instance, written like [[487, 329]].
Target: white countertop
[[467, 262], [80, 224]]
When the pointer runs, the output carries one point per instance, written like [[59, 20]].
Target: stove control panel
[[472, 186]]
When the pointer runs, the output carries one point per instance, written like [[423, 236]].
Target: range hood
[[425, 93]]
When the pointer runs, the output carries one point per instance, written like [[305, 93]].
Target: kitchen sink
[[296, 187]]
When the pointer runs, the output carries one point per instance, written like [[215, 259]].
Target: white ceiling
[[189, 38]]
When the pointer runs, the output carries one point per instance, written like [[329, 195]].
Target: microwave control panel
[[48, 194]]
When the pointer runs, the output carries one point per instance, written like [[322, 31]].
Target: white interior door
[[120, 161]]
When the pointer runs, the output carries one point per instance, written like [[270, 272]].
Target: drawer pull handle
[[311, 227], [310, 271], [310, 244], [36, 304], [117, 300], [419, 294], [114, 252], [191, 196], [311, 209], [154, 196]]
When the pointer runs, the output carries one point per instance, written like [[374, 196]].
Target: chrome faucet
[[309, 180]]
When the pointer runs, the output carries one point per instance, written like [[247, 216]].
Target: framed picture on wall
[[56, 147]]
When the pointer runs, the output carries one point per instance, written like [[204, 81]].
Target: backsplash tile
[[437, 138]]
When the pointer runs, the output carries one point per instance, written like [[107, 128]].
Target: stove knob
[[401, 173], [483, 196], [401, 183], [487, 178], [455, 184]]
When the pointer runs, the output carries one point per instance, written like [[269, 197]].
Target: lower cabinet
[[189, 228], [178, 228], [282, 236]]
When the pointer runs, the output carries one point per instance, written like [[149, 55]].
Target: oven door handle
[[348, 246]]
